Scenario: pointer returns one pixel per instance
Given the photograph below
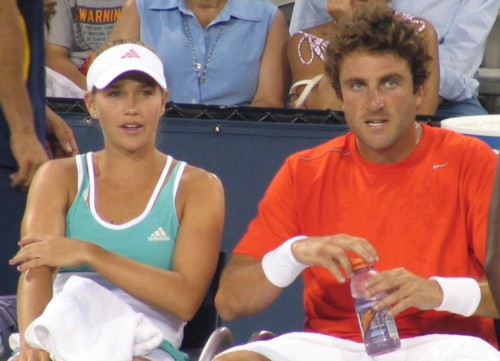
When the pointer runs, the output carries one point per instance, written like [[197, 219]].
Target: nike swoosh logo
[[436, 166]]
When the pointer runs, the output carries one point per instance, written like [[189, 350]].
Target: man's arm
[[493, 251], [128, 24], [244, 289], [462, 295], [14, 98], [249, 285], [487, 307]]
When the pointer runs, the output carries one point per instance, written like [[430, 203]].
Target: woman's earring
[[92, 117]]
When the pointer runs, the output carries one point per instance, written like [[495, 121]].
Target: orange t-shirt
[[427, 214]]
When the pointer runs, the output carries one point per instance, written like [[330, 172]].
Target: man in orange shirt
[[411, 198]]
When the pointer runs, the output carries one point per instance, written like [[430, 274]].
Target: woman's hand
[[338, 8], [31, 354], [50, 251]]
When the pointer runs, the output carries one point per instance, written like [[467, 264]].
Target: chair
[[219, 340], [203, 335]]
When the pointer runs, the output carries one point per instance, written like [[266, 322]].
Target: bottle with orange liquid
[[379, 330]]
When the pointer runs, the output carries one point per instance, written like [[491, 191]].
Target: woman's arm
[[59, 61], [306, 64], [46, 207], [274, 76]]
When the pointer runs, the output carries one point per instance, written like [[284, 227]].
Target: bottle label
[[375, 324]]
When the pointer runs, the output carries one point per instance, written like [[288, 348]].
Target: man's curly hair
[[380, 30]]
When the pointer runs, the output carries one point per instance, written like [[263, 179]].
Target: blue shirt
[[462, 26], [228, 50]]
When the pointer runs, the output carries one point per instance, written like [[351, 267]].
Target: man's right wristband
[[280, 266]]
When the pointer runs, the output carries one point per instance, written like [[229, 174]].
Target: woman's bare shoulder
[[56, 173], [196, 175]]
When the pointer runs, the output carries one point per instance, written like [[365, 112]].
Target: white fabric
[[123, 58], [87, 322], [461, 295], [58, 86], [309, 86], [170, 325], [307, 346], [280, 266]]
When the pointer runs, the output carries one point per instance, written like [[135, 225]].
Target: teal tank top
[[149, 238]]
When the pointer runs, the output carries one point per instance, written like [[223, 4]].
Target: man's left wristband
[[280, 266], [461, 295]]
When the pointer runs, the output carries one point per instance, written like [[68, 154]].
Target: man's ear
[[419, 95]]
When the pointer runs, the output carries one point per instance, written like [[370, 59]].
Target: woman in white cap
[[135, 231]]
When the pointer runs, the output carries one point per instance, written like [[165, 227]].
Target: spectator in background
[[55, 123], [462, 27], [23, 126], [311, 88], [77, 29], [410, 197], [49, 10], [223, 52]]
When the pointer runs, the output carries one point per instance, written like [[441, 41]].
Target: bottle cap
[[359, 263]]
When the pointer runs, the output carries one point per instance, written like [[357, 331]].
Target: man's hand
[[405, 290], [62, 142], [331, 252], [29, 154]]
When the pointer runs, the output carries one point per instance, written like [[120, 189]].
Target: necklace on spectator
[[201, 70]]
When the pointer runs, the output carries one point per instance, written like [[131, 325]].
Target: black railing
[[239, 113]]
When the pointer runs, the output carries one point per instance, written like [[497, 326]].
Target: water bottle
[[378, 329]]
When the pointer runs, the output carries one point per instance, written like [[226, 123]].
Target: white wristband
[[461, 295], [280, 266]]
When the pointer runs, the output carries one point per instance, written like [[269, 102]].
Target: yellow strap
[[26, 45]]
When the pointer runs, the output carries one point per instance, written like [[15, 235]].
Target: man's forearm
[[14, 97], [244, 289]]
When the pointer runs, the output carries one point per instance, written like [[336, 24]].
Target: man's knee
[[241, 356]]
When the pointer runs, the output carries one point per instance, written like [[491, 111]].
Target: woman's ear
[[88, 98], [164, 101]]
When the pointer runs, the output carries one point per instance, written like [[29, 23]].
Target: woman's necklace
[[201, 70]]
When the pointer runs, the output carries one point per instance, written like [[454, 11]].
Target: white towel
[[85, 321]]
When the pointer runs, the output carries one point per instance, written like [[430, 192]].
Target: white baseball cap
[[120, 59]]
